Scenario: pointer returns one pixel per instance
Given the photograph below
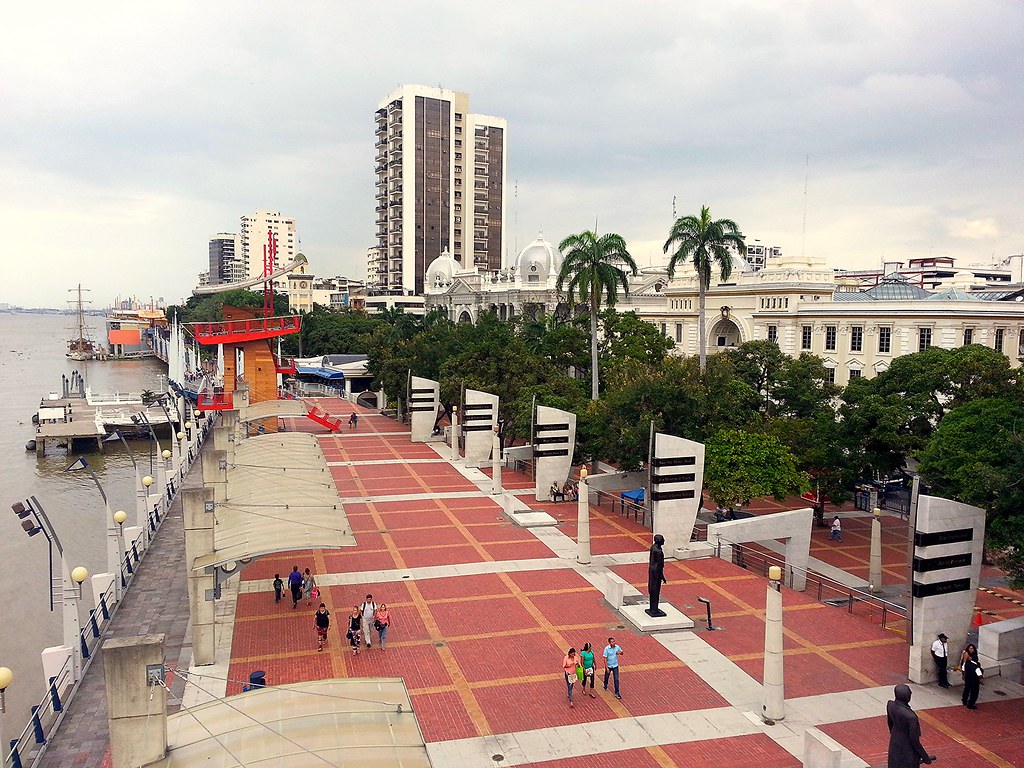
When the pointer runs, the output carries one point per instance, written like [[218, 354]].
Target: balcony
[[215, 400], [285, 365], [238, 331], [381, 142]]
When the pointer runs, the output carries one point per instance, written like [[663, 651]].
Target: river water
[[32, 359]]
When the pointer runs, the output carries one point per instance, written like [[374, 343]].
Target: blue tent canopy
[[636, 496], [320, 373]]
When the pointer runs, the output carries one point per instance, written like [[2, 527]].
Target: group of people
[[301, 584], [969, 667], [582, 668], [362, 622], [569, 491]]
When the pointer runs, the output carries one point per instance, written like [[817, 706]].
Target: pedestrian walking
[[367, 609], [940, 655], [587, 660], [611, 664], [322, 619], [381, 622], [973, 674], [353, 420], [295, 584], [569, 664], [355, 629], [970, 652], [905, 749], [278, 587], [308, 585], [837, 530]]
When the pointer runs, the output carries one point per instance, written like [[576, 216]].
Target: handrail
[[46, 717], [638, 512], [746, 557]]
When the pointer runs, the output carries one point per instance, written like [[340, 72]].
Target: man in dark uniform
[[905, 750]]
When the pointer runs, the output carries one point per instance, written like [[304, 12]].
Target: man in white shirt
[[368, 608], [940, 653]]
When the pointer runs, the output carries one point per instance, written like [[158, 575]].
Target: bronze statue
[[656, 576], [905, 750]]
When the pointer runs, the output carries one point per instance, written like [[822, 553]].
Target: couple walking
[[302, 585], [581, 668]]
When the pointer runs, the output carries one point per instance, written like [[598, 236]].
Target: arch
[[724, 333], [367, 399], [465, 317]]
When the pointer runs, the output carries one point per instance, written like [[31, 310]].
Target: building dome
[[539, 260], [440, 272]]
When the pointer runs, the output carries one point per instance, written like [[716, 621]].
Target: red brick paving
[[480, 654]]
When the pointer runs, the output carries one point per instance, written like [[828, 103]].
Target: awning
[[321, 373], [280, 496], [342, 722], [267, 409]]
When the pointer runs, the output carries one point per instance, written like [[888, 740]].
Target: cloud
[[974, 229], [131, 133]]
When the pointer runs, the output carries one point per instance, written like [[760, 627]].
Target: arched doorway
[[724, 333], [465, 317]]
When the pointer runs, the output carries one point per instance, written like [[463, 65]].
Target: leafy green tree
[[627, 340], [328, 332], [740, 466], [593, 269], [704, 242], [977, 456]]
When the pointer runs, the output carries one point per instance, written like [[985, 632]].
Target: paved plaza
[[483, 611]]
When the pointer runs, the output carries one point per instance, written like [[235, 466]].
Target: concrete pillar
[[496, 464], [583, 522], [136, 703], [199, 542], [215, 473], [773, 693], [455, 435], [875, 561], [220, 438]]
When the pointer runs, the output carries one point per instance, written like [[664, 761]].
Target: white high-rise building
[[440, 187], [253, 237]]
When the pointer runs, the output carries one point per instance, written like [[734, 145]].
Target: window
[[679, 332], [773, 334], [885, 340], [855, 373], [805, 337], [999, 339], [830, 338], [857, 338], [924, 339], [968, 336], [664, 330], [830, 375]]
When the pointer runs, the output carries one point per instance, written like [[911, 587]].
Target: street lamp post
[[583, 520], [71, 580], [141, 513], [875, 558], [114, 559], [773, 693]]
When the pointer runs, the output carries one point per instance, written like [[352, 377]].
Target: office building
[[440, 172], [253, 238]]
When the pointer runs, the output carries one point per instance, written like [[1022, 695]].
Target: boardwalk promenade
[[483, 612], [157, 602]]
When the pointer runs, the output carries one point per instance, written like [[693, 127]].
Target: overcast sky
[[132, 131]]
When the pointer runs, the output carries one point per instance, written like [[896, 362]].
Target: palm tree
[[704, 242], [592, 269]]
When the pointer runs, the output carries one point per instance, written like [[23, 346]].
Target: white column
[[496, 464], [773, 693], [455, 435], [875, 561], [583, 521], [114, 545]]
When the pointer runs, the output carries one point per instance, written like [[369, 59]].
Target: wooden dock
[[67, 420]]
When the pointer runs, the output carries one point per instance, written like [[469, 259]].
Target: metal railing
[[46, 716], [825, 590], [638, 512]]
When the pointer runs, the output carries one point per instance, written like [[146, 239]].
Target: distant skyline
[[132, 132]]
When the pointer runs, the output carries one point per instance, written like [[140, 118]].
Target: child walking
[[278, 587]]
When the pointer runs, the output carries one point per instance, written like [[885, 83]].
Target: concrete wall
[[677, 475], [479, 417], [554, 440], [948, 539], [424, 402], [794, 526]]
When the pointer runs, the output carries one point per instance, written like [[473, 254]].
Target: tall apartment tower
[[226, 265], [254, 236], [440, 187]]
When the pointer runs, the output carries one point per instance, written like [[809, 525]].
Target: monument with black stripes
[[554, 440]]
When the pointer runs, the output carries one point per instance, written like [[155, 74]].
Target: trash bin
[[257, 679]]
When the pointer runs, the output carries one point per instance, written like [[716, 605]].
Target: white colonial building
[[796, 302]]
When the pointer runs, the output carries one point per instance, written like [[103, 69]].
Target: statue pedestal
[[658, 614], [673, 619], [694, 551]]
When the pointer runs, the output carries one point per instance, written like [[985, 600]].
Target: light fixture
[[189, 425], [775, 573], [6, 677], [147, 481], [166, 454], [120, 516], [79, 574], [180, 435], [583, 473], [876, 512]]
